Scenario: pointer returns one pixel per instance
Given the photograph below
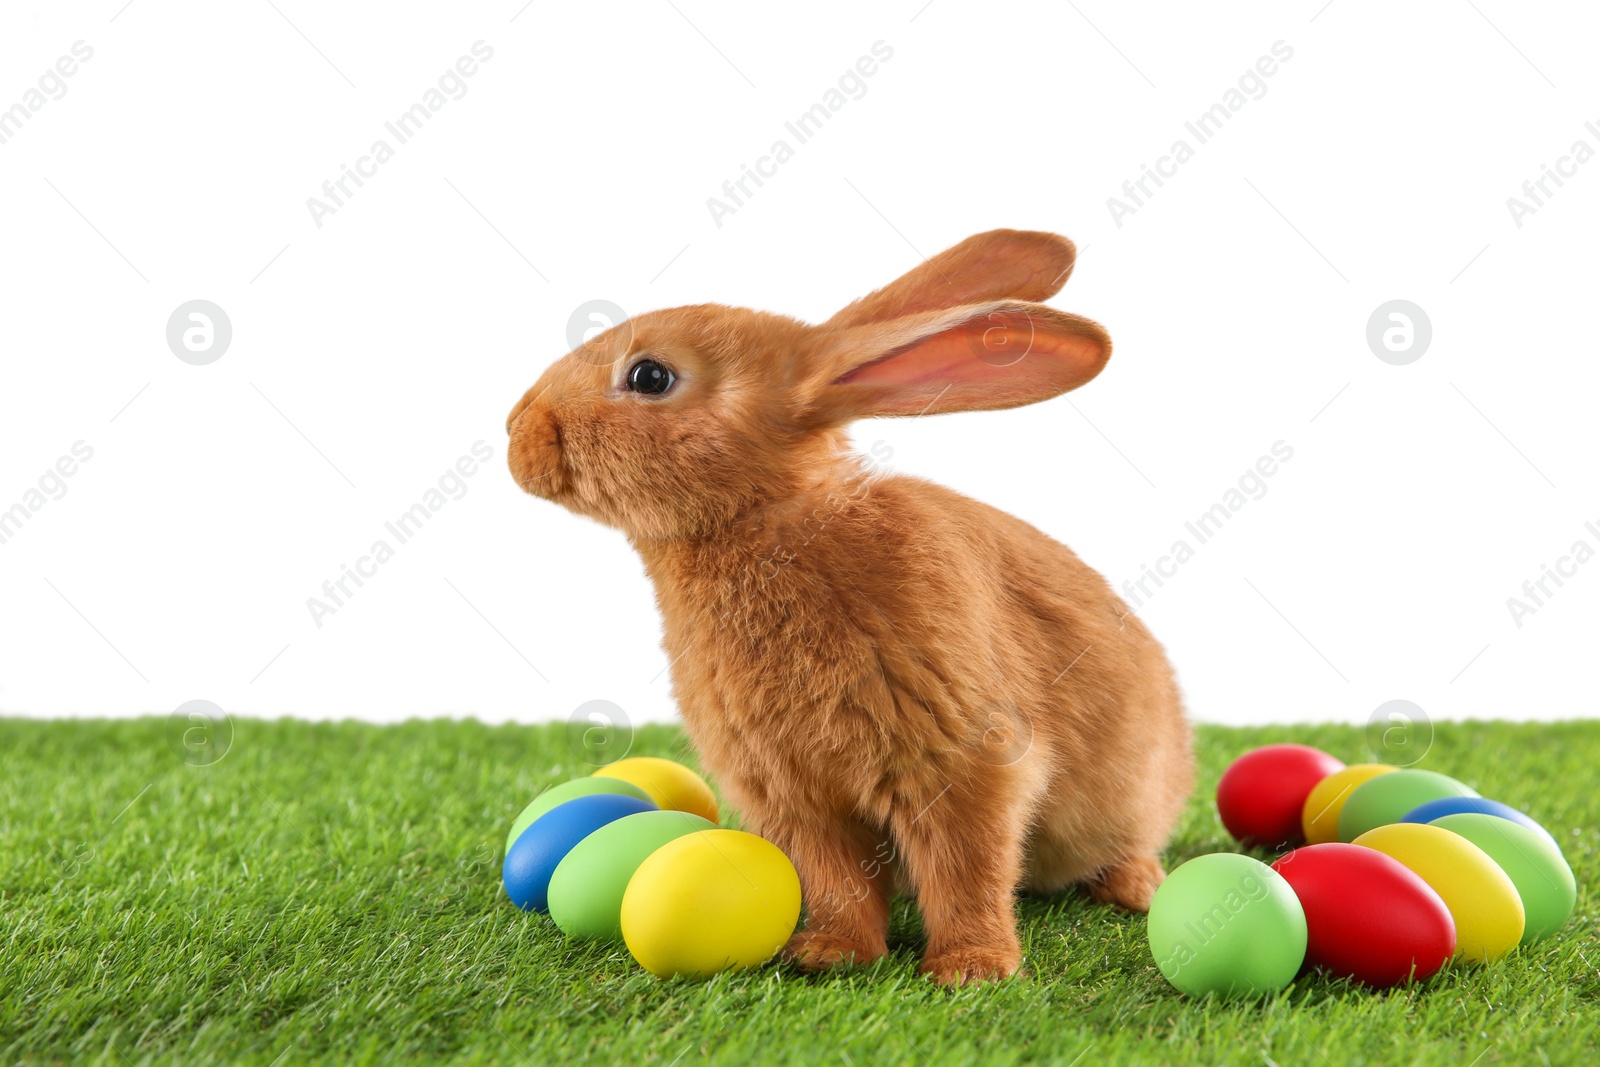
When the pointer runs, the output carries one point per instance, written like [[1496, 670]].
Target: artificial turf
[[331, 891]]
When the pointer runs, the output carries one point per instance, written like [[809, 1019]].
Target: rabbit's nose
[[534, 453], [522, 405]]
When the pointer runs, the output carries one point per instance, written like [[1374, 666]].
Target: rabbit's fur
[[892, 682]]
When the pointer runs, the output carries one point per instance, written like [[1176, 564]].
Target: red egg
[[1368, 916], [1262, 793]]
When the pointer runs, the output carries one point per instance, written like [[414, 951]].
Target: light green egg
[[1534, 864], [1227, 924], [560, 794], [1389, 797], [587, 886]]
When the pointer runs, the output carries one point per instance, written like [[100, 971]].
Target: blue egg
[[532, 858], [1438, 809]]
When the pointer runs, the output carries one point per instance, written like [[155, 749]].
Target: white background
[[369, 354]]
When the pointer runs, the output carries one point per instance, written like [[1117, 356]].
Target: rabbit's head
[[678, 421]]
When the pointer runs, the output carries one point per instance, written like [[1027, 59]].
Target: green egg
[[587, 886], [560, 794], [1532, 862], [1390, 797], [1227, 924]]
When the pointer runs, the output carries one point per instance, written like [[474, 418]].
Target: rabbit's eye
[[648, 376]]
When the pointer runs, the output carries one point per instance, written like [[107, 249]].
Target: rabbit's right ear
[[979, 357], [998, 265]]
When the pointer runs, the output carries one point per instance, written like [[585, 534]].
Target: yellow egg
[[708, 901], [672, 786], [1481, 897], [1320, 817]]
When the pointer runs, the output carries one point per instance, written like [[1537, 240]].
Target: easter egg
[[586, 889], [1533, 863], [1262, 793], [1368, 916], [533, 857], [1319, 819], [1438, 809], [709, 901], [672, 786], [560, 794], [1227, 924], [1481, 897], [1386, 799]]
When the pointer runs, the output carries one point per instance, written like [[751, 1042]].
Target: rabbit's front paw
[[971, 963], [814, 950]]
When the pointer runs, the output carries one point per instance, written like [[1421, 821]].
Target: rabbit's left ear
[[1000, 354], [1026, 265]]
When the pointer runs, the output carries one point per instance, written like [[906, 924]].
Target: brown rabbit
[[890, 681]]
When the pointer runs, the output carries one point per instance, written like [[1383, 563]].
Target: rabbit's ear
[[998, 265], [1000, 354]]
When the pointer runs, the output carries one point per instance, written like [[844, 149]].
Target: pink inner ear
[[1001, 360]]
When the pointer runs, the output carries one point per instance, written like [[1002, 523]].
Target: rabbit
[[895, 684]]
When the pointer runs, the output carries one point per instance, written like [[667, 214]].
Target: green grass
[[331, 891]]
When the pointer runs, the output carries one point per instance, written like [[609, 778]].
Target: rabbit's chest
[[789, 686], [761, 652]]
